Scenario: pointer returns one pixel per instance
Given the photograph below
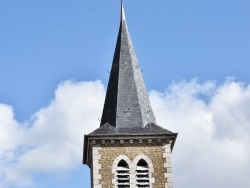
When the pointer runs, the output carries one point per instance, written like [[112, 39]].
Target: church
[[128, 150]]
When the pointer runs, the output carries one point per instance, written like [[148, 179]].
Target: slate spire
[[127, 103]]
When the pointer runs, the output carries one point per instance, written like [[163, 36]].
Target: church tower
[[129, 150]]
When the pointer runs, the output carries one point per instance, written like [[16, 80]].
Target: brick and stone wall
[[105, 157]]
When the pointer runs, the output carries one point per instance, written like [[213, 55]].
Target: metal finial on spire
[[122, 12]]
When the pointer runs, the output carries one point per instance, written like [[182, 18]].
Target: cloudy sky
[[54, 62]]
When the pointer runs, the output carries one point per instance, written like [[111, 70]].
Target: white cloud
[[53, 142], [8, 128], [10, 136], [213, 123]]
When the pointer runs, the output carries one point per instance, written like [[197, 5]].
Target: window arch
[[122, 170], [122, 174], [142, 174], [143, 171]]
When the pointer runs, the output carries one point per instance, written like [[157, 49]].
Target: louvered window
[[122, 175], [142, 174]]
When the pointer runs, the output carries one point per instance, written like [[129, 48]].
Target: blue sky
[[44, 43]]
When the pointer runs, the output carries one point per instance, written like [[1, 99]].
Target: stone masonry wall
[[158, 154]]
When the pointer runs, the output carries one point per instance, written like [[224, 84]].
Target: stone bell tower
[[129, 150]]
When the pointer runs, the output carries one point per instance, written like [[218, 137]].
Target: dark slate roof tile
[[150, 129], [127, 103]]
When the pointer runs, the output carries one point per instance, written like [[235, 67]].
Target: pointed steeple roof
[[127, 103], [127, 112]]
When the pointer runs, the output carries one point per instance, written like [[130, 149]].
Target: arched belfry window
[[122, 174], [142, 174]]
